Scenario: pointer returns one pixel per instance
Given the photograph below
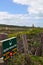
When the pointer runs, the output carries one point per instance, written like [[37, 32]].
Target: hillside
[[33, 35]]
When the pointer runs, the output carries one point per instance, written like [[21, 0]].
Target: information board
[[9, 46]]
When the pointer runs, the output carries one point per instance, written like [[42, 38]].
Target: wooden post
[[25, 44], [6, 62], [2, 62]]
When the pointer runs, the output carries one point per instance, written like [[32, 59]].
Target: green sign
[[9, 45]]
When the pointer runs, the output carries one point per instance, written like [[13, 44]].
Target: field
[[33, 34]]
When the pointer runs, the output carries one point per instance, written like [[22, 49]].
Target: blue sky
[[13, 8], [21, 12]]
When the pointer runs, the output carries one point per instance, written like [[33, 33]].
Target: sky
[[21, 12]]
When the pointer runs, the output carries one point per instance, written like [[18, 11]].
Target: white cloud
[[34, 6], [35, 16], [20, 19]]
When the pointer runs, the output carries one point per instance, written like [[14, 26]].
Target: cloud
[[34, 6], [20, 19]]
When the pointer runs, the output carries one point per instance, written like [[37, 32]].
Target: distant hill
[[14, 28]]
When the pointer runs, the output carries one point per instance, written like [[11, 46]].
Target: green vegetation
[[33, 35], [36, 44], [37, 60], [12, 35], [20, 60], [32, 31]]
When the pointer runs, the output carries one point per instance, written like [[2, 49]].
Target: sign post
[[9, 48], [25, 44]]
